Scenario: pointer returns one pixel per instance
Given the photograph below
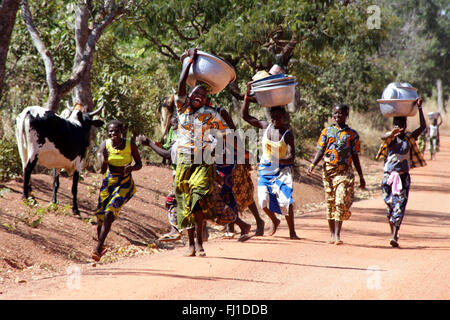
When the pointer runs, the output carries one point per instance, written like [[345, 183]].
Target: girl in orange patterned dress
[[339, 146]]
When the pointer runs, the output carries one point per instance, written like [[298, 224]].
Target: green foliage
[[25, 82], [418, 45], [336, 58], [10, 163], [34, 215]]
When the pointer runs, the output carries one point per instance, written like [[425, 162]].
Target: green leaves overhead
[[327, 45]]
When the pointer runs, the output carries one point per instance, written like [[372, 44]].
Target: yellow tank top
[[119, 158], [277, 149]]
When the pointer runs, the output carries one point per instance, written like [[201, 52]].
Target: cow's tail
[[21, 138]]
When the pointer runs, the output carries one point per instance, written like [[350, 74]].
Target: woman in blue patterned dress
[[400, 151]]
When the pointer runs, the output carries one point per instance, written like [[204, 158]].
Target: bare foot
[[246, 229], [190, 252], [393, 242], [293, 236], [274, 227], [200, 250], [244, 233], [260, 229], [205, 234]]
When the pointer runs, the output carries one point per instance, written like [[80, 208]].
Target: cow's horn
[[96, 112], [68, 106]]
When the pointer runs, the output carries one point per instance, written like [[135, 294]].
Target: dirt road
[[364, 267]]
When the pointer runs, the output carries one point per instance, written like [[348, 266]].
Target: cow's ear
[[79, 116], [97, 123]]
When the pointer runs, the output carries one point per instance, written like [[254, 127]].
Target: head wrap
[[260, 75]]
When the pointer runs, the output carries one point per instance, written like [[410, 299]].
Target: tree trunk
[[86, 40], [82, 93], [8, 11], [440, 97]]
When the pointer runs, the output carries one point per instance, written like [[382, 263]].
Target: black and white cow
[[46, 138]]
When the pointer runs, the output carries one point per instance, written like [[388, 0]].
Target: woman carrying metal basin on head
[[400, 153], [196, 179], [275, 184]]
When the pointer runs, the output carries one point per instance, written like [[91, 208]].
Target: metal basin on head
[[398, 100], [211, 70], [275, 95]]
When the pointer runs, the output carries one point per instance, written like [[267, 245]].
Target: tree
[[250, 35], [417, 49], [8, 10], [86, 40]]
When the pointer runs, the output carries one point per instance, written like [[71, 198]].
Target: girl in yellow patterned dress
[[116, 155]]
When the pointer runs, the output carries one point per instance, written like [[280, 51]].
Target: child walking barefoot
[[275, 185], [339, 146]]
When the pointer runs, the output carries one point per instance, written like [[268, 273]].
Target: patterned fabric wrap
[[243, 188], [193, 189], [195, 128], [339, 145], [116, 190], [339, 191], [275, 187], [396, 203], [171, 205], [416, 157], [223, 198]]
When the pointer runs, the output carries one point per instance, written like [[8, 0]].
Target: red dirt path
[[364, 267]]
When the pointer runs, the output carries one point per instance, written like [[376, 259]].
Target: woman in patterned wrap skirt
[[116, 155]]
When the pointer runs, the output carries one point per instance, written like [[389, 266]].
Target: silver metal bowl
[[400, 91], [211, 70], [433, 115], [275, 95], [275, 84], [274, 81], [397, 100], [397, 107]]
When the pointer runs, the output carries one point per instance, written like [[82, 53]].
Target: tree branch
[[40, 46], [180, 34], [85, 62], [160, 47]]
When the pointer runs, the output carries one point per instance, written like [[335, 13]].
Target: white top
[[433, 130]]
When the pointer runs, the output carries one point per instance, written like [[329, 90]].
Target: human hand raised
[[397, 131], [419, 102], [141, 139], [191, 53]]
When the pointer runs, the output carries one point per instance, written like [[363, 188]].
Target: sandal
[[339, 242], [97, 256], [168, 237], [393, 243], [244, 233], [228, 235], [244, 237]]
